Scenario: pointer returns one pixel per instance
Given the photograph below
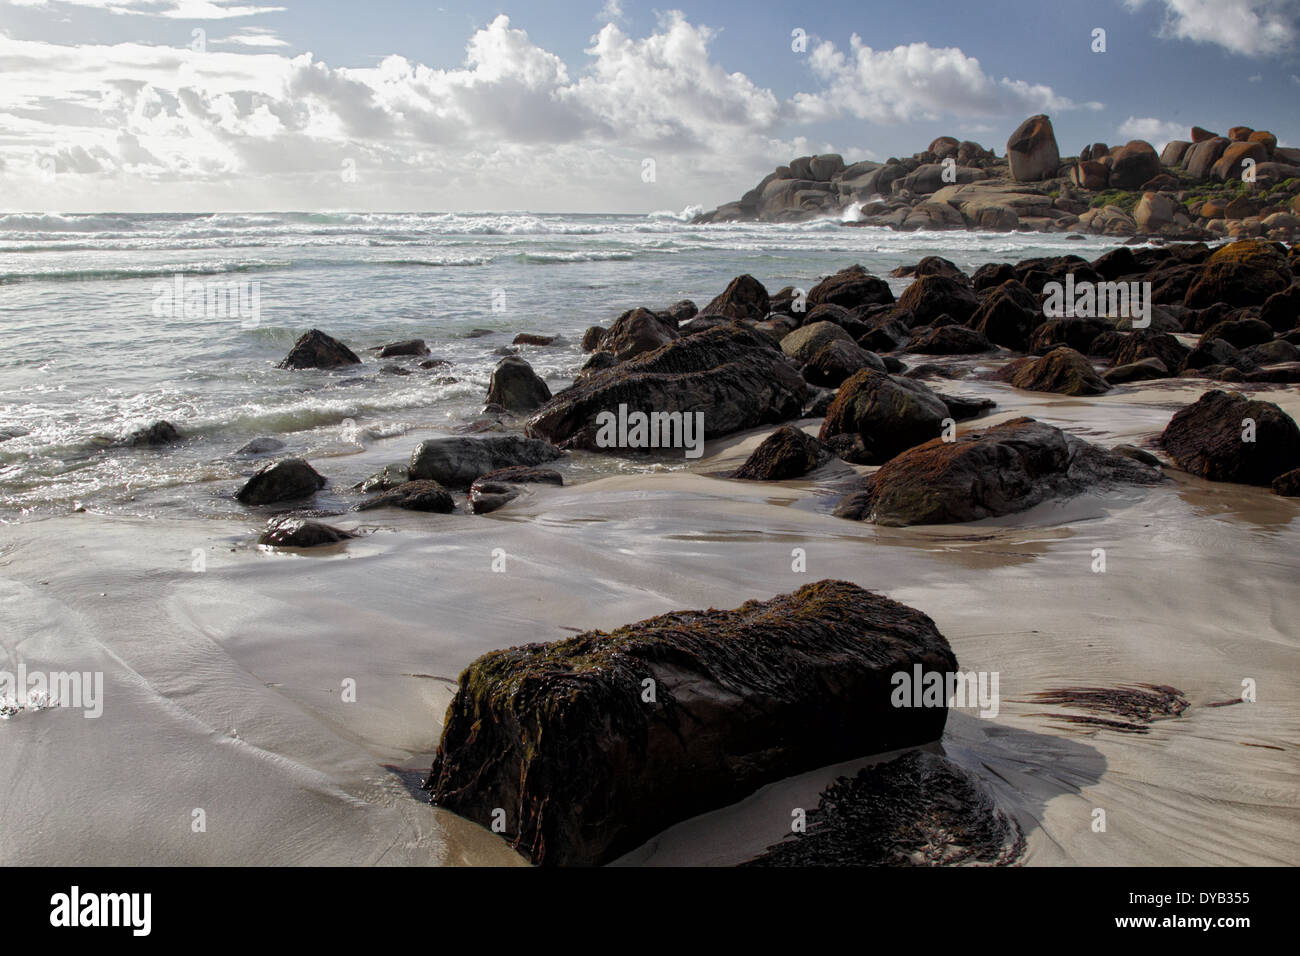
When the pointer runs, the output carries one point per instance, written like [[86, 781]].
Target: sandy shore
[[224, 687]]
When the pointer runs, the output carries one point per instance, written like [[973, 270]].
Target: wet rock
[[286, 480], [315, 349], [803, 344], [479, 333], [456, 462], [1076, 333], [1008, 316], [836, 361], [497, 488], [390, 476], [1271, 353], [407, 347], [301, 533], [562, 737], [683, 311], [1145, 344], [1002, 470], [529, 338], [787, 453], [516, 387], [159, 433], [591, 339], [416, 495], [1282, 309], [394, 370], [1241, 273], [1239, 333], [1062, 370], [636, 332], [1227, 437], [1137, 454], [851, 288], [434, 363], [930, 296], [1216, 352], [949, 340], [962, 409], [260, 446], [744, 298], [1140, 371], [887, 413]]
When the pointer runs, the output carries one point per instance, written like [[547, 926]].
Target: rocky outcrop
[[456, 462], [516, 387], [737, 377], [1133, 164], [1288, 484], [1062, 370], [1002, 470], [887, 414], [1226, 437], [787, 453], [286, 480], [315, 349], [593, 744]]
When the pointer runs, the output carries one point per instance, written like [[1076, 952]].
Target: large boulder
[[457, 461], [1236, 158], [636, 332], [1241, 273], [887, 413], [1089, 174], [594, 744], [1008, 316], [1062, 370], [788, 452], [516, 387], [737, 377], [1002, 470], [744, 298], [949, 340], [286, 480], [837, 361], [1077, 333], [931, 296], [1282, 309], [803, 344], [315, 349], [1154, 211], [1133, 164], [851, 288], [1032, 151], [1145, 343], [1174, 152], [1226, 437], [1200, 159]]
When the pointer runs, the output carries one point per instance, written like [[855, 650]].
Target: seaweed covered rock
[[301, 533], [888, 414], [1226, 437], [594, 744], [1241, 273], [737, 377], [285, 480], [1002, 470], [516, 387], [788, 452], [315, 349], [456, 462], [803, 344], [1062, 370], [422, 494]]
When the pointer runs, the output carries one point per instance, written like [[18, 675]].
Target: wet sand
[[224, 687]]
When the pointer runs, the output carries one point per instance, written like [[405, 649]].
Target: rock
[[737, 377], [1088, 174], [516, 387], [407, 347], [1003, 470], [1288, 484], [1133, 164], [159, 433], [702, 322], [1146, 343], [456, 462], [1153, 212], [933, 266], [1077, 333], [1138, 454], [962, 409], [803, 344], [417, 495], [1240, 134], [742, 698], [315, 349], [1208, 438], [836, 361], [1162, 183], [591, 339], [488, 496], [434, 363], [744, 298], [388, 477], [1242, 273], [1271, 353], [1062, 370], [1282, 309], [479, 333], [1240, 208], [991, 275], [949, 340], [1200, 159], [787, 453], [1239, 333], [1265, 139], [943, 147], [528, 338], [1235, 159], [1032, 151], [930, 177], [851, 288], [395, 370], [636, 332], [1008, 316], [1201, 135], [1139, 371], [930, 296], [285, 480], [887, 413], [1174, 152], [598, 362], [300, 533], [1216, 352], [683, 310], [260, 446]]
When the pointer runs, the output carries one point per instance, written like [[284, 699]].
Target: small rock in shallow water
[[159, 433], [408, 347], [300, 533], [261, 446], [420, 495], [315, 349], [284, 480]]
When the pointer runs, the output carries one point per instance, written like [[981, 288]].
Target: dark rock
[[394, 370], [1138, 454], [598, 362], [851, 287], [889, 414], [1133, 164], [479, 333], [407, 347], [744, 298], [803, 344], [1008, 316], [592, 337], [1282, 309], [1139, 371], [529, 338], [1107, 344], [260, 446], [434, 363], [388, 477], [787, 453], [1143, 344], [516, 387], [1002, 470], [285, 480], [933, 295], [992, 274], [636, 332], [1076, 333], [1032, 151], [487, 496], [315, 349], [1288, 484], [1271, 353], [159, 433], [1246, 272], [300, 533], [416, 495], [561, 737], [1208, 438], [1062, 370], [683, 311], [962, 409], [1216, 352], [949, 340], [1239, 333], [836, 361], [456, 462]]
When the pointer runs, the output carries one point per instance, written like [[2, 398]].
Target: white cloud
[[1157, 132], [254, 37], [170, 9], [611, 12], [916, 81], [1248, 27]]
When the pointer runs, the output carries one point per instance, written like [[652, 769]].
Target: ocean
[[93, 343]]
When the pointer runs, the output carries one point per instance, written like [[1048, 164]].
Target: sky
[[586, 105]]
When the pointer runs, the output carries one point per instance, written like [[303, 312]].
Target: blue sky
[[118, 104]]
